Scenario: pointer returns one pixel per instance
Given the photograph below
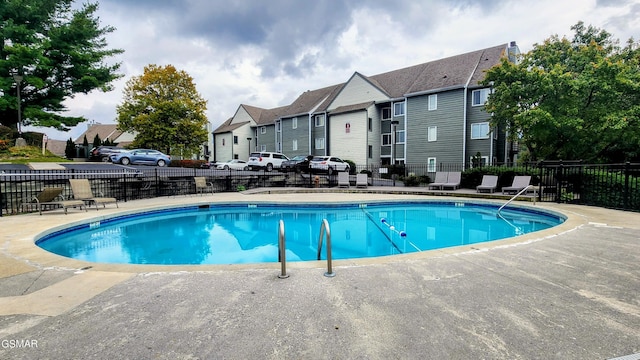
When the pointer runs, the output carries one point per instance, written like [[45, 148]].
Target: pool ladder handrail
[[515, 196], [325, 229], [282, 251]]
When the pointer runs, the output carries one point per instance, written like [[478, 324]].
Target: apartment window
[[386, 139], [370, 124], [319, 120], [433, 102], [480, 130], [263, 148], [398, 109], [370, 151], [431, 164], [386, 113], [400, 137], [477, 162], [319, 143], [432, 133], [263, 130], [235, 139], [294, 123], [277, 125], [222, 142], [294, 145], [479, 97]]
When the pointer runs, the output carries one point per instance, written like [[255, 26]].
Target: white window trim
[[294, 145], [263, 130], [435, 102], [319, 144], [294, 123], [484, 158], [319, 123], [431, 164], [404, 135], [395, 108], [263, 148], [486, 136], [382, 113], [483, 93], [388, 143], [432, 130]]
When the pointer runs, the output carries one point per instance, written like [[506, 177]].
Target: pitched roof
[[350, 108], [104, 131], [312, 100], [227, 126]]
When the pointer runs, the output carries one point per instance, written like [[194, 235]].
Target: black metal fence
[[605, 185]]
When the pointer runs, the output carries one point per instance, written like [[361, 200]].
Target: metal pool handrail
[[282, 251], [325, 229], [514, 197]]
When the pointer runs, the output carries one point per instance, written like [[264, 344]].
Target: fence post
[[626, 192], [559, 180]]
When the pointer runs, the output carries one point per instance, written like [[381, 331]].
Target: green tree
[[165, 111], [70, 149], [571, 99], [96, 141], [58, 51]]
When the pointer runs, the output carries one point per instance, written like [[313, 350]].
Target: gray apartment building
[[428, 114]]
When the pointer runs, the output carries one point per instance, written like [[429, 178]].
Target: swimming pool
[[248, 233]]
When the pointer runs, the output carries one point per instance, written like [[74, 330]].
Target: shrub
[[352, 167], [187, 163]]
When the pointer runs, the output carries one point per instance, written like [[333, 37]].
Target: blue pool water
[[248, 233]]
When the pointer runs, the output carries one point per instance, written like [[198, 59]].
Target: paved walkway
[[571, 292]]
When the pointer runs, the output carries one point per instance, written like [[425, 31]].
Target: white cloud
[[267, 53]]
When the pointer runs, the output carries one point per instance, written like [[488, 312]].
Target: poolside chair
[[48, 196], [202, 185], [362, 180], [453, 180], [489, 183], [441, 179], [343, 179], [81, 189], [519, 183]]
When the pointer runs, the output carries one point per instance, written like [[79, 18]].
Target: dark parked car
[[141, 156], [103, 153], [299, 163]]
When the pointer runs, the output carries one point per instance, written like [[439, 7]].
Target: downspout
[[366, 145], [326, 133], [310, 135], [464, 116]]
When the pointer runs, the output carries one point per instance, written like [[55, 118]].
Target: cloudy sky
[[265, 53]]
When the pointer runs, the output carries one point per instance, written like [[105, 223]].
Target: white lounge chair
[[453, 180], [441, 179], [343, 179], [52, 197], [362, 180], [519, 183], [489, 183], [202, 185]]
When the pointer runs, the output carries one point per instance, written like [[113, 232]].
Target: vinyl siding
[[242, 116], [374, 137], [448, 117], [223, 152], [301, 133], [352, 145], [356, 91], [268, 139], [477, 114]]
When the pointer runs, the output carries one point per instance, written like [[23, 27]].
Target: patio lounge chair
[[48, 196], [453, 180], [441, 179], [362, 180], [81, 189], [489, 183], [519, 183], [202, 185], [343, 179]]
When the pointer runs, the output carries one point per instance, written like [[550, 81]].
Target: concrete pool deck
[[571, 292]]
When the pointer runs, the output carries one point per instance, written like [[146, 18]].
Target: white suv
[[266, 160]]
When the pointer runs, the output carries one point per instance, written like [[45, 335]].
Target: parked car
[[208, 165], [328, 164], [299, 163], [266, 160], [142, 157], [233, 165], [103, 153]]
